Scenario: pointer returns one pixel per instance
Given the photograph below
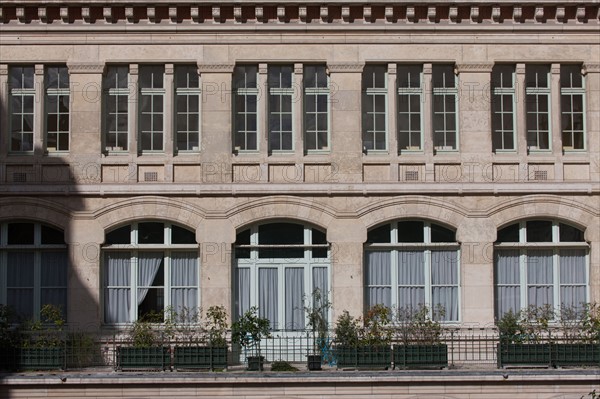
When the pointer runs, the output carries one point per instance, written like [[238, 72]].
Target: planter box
[[40, 358], [200, 357], [151, 358], [417, 356], [255, 363], [314, 362], [524, 354], [363, 356], [576, 354]]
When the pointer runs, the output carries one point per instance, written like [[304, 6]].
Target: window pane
[[410, 231], [441, 234], [151, 233], [570, 234], [509, 233], [20, 233], [294, 295], [180, 235], [242, 238], [379, 278], [268, 295], [319, 237], [52, 236], [151, 277], [539, 231], [122, 235], [281, 233], [380, 234]]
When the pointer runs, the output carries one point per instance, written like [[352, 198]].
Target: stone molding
[[86, 68], [336, 67], [216, 68], [3, 69], [591, 68], [475, 68]]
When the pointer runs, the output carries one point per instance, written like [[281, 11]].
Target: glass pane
[[411, 231], [319, 237], [539, 231], [122, 235], [570, 234], [570, 76], [242, 238], [443, 76], [20, 233], [441, 234], [151, 233], [180, 235], [52, 236], [509, 233], [381, 234]]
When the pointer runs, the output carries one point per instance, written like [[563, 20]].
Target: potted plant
[[317, 323], [248, 331], [346, 340], [146, 351], [579, 344], [43, 341], [419, 339], [524, 337], [203, 348]]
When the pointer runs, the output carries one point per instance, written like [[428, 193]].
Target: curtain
[[268, 295], [320, 282], [508, 282], [243, 290], [54, 279], [444, 282], [379, 278], [117, 274], [184, 281], [294, 293], [540, 278], [20, 283], [572, 277], [411, 279], [148, 266]]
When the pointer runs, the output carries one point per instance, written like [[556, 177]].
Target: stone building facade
[[391, 152]]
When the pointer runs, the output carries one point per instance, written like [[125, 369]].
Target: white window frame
[[152, 93], [246, 92], [427, 246], [37, 247], [59, 93], [121, 94], [315, 92], [280, 92], [572, 92], [443, 92], [187, 92], [538, 93], [555, 246], [308, 263], [500, 93], [134, 249], [22, 93], [370, 94], [408, 92]]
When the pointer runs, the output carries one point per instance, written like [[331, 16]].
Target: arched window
[[147, 267], [33, 267], [413, 263], [539, 262], [277, 267]]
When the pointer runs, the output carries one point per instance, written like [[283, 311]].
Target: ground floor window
[[538, 263], [409, 264], [278, 267], [33, 268], [149, 267]]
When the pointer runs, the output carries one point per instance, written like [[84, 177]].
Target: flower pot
[[150, 358], [41, 358], [368, 356], [255, 363], [314, 362], [524, 354], [421, 356], [200, 357]]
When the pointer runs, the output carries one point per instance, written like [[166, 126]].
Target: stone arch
[[38, 210]]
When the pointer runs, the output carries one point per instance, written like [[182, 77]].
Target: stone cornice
[[480, 67], [216, 68], [348, 67], [86, 68]]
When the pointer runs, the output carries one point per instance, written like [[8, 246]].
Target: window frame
[[121, 94], [443, 92], [280, 92], [134, 248], [187, 92], [369, 119], [22, 93], [246, 92], [152, 93], [315, 92], [408, 92], [499, 92], [59, 93], [571, 92], [538, 92]]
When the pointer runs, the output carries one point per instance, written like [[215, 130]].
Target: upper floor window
[[245, 96], [503, 108], [537, 91], [316, 108], [148, 267], [374, 107], [410, 100], [151, 112], [281, 92], [33, 268], [187, 100], [445, 101], [409, 264], [538, 263], [572, 100], [116, 103], [57, 108], [22, 102]]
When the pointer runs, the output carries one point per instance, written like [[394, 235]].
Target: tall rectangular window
[[445, 99], [316, 108], [22, 99], [410, 100], [245, 100], [152, 95], [116, 99], [503, 108], [572, 94], [537, 90], [374, 100], [281, 93], [187, 93], [57, 108]]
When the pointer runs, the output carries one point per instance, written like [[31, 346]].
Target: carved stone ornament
[[475, 68], [86, 68], [216, 68], [591, 68], [345, 67]]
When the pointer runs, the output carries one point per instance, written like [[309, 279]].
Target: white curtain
[[508, 282], [20, 283], [54, 279], [243, 290], [184, 281], [148, 265], [294, 292], [411, 279], [117, 274], [268, 295], [539, 277], [444, 281], [379, 278], [572, 277], [320, 282]]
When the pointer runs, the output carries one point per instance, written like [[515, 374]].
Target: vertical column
[[216, 122], [347, 275], [297, 118], [555, 121], [345, 128], [38, 118], [477, 271], [474, 113], [134, 93], [521, 110], [169, 108], [592, 117], [427, 121], [262, 108], [216, 238], [4, 125], [392, 116], [84, 238]]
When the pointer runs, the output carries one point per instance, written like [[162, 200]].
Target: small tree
[[250, 329], [216, 326], [376, 331], [317, 318], [46, 332], [346, 330], [415, 326]]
